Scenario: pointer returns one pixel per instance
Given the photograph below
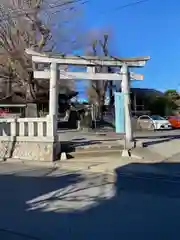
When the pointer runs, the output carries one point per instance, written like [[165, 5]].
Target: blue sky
[[150, 29]]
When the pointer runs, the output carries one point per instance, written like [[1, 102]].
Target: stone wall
[[29, 151]]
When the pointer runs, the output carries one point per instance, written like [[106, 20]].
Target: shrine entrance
[[56, 73]]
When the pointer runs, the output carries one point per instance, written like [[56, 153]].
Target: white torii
[[89, 75], [55, 73]]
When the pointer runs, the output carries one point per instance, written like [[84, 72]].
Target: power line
[[126, 6], [57, 5], [18, 14], [117, 9], [25, 12]]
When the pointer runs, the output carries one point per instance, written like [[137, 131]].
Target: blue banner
[[119, 112]]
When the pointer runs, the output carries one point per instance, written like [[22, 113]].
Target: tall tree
[[165, 104], [105, 49], [99, 47], [173, 98], [172, 94], [28, 24]]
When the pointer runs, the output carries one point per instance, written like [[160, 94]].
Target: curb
[[96, 167], [147, 173], [71, 165]]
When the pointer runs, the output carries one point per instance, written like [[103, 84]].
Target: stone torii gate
[[55, 73]]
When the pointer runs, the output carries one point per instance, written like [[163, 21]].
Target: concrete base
[[30, 151], [136, 157], [125, 153], [63, 156]]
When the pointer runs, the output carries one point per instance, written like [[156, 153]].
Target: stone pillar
[[53, 97], [127, 104], [53, 145], [53, 90]]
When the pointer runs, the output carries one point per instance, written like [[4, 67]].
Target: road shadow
[[160, 139], [165, 135], [36, 206], [158, 179], [142, 204], [15, 192], [150, 143]]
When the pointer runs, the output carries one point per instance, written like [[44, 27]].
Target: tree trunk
[[29, 96], [111, 93], [30, 91], [101, 107], [31, 110]]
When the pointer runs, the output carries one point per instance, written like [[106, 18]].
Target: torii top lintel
[[86, 60]]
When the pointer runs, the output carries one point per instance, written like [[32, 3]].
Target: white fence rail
[[25, 127]]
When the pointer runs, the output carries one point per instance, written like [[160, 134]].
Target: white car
[[154, 122]]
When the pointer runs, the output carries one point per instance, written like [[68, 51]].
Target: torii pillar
[[125, 86], [54, 72], [53, 98]]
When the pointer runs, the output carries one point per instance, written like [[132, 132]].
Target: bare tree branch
[[100, 46], [23, 24]]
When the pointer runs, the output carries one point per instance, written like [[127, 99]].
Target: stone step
[[83, 147], [98, 147], [94, 153]]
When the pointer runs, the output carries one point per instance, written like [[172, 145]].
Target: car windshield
[[157, 117]]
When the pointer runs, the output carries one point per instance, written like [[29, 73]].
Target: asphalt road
[[40, 203]]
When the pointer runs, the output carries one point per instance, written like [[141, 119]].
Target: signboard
[[119, 112]]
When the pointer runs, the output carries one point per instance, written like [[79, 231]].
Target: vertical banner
[[119, 112]]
